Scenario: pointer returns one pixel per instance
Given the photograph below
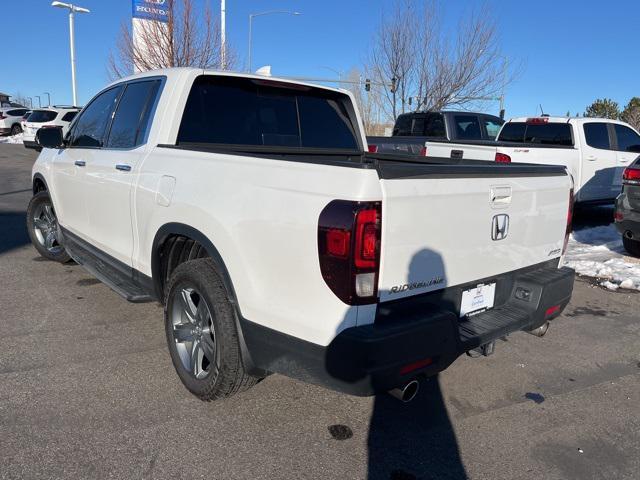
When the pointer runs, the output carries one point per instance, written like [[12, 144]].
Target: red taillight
[[552, 311], [537, 120], [412, 367], [373, 149], [338, 243], [423, 152], [349, 249], [569, 222], [618, 216], [2, 116], [631, 176], [502, 158], [366, 238]]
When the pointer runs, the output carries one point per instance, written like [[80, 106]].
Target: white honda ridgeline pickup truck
[[249, 207]]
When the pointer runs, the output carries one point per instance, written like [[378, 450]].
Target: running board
[[108, 270]]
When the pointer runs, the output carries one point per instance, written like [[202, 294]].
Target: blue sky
[[571, 51]]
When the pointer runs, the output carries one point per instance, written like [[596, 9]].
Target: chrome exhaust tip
[[540, 331], [407, 392]]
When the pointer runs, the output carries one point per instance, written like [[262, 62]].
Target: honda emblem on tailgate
[[500, 227]]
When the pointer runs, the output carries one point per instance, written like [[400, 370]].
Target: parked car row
[[596, 152], [50, 117], [14, 121], [250, 208], [10, 118]]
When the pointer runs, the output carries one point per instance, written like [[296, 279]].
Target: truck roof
[[572, 120], [176, 71]]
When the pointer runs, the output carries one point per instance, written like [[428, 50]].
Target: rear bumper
[[424, 330], [30, 144], [4, 131], [630, 223]]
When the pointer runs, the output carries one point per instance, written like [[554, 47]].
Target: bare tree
[[393, 56], [20, 99], [187, 39], [433, 69]]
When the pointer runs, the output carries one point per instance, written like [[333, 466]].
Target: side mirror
[[50, 137]]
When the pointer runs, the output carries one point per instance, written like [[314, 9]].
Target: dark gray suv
[[627, 214]]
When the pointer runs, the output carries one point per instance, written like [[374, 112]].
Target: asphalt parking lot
[[87, 390]]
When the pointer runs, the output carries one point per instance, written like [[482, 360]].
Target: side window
[[492, 127], [628, 140], [67, 117], [597, 135], [467, 127], [89, 130], [132, 116]]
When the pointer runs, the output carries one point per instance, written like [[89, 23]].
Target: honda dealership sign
[[148, 16], [151, 10]]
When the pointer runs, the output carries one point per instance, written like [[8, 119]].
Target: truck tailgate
[[444, 225]]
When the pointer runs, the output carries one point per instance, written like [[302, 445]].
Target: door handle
[[80, 163], [591, 157], [122, 167]]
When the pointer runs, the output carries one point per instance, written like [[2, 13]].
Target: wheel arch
[[180, 229], [39, 184], [169, 230]]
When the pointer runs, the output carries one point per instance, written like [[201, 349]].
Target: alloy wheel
[[45, 226], [193, 332]]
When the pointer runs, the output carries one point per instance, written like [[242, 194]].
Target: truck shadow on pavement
[[13, 230], [413, 440], [416, 440]]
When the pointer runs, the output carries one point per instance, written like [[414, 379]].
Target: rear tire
[[15, 130], [201, 332], [44, 230], [631, 246]]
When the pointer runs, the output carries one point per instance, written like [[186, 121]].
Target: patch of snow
[[598, 252], [16, 139]]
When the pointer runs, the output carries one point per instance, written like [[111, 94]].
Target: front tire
[[44, 230], [201, 332], [631, 246]]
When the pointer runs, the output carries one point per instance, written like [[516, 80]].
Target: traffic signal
[[367, 85], [393, 85]]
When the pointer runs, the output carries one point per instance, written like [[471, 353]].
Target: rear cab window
[[538, 131], [254, 112], [467, 127]]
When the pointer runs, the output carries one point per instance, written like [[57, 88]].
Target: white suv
[[49, 117], [10, 118]]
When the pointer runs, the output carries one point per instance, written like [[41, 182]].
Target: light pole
[[39, 102], [48, 98], [505, 62], [270, 12], [338, 72], [223, 34], [73, 9]]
